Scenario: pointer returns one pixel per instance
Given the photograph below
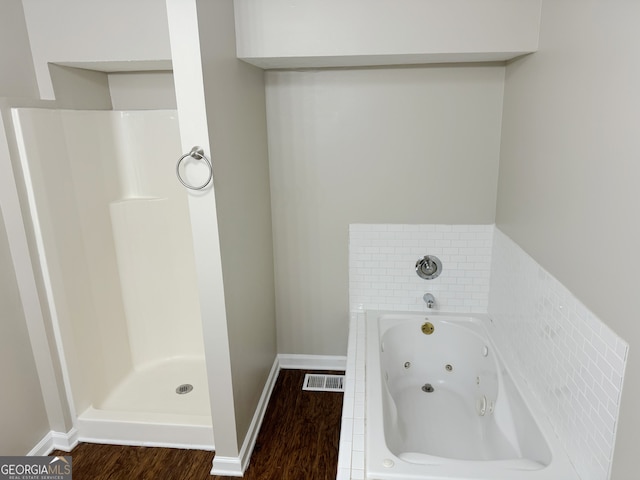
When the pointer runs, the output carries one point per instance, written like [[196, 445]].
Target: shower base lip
[[145, 429]]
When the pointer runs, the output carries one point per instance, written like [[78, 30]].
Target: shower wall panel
[[150, 223], [116, 240], [57, 214]]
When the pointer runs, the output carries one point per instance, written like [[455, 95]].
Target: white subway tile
[[386, 276], [357, 474], [570, 358], [343, 474], [621, 349], [346, 429], [358, 443], [344, 455], [615, 361], [357, 460], [616, 379], [348, 409]]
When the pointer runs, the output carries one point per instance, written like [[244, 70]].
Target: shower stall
[[114, 242]]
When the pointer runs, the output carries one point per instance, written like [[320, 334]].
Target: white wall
[[410, 145], [293, 34], [89, 31], [569, 173]]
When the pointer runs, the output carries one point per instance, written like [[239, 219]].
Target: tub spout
[[429, 299]]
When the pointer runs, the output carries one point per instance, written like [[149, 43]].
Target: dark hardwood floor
[[298, 441]]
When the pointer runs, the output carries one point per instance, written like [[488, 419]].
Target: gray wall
[[404, 145], [569, 171], [142, 90], [23, 416], [81, 32], [17, 74], [234, 97]]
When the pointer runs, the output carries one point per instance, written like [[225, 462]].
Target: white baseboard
[[55, 441], [236, 466], [312, 362], [65, 441], [144, 443], [227, 466], [44, 447]]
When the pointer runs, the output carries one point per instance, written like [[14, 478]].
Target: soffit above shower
[[355, 33], [122, 66]]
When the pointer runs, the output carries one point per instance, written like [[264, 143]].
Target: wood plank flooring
[[298, 440]]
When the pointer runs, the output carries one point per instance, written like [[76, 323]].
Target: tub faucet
[[429, 299]]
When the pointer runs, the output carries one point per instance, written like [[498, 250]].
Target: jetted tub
[[442, 405]]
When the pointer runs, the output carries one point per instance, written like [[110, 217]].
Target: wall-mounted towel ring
[[198, 154]]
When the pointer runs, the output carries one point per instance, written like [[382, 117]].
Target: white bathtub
[[444, 406]]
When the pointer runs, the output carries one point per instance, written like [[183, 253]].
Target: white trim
[[144, 443], [236, 466], [125, 428], [65, 441], [252, 435], [227, 466], [312, 362], [43, 448], [55, 441]]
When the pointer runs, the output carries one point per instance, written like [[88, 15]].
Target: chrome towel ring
[[198, 154]]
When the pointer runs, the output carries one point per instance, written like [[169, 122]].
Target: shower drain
[[184, 388]]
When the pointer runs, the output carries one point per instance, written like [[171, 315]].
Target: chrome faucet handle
[[429, 267], [429, 299]]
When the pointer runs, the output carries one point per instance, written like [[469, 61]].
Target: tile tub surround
[[382, 260], [351, 448], [570, 359], [551, 341]]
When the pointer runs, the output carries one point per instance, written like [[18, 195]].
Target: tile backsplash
[[569, 358], [382, 274]]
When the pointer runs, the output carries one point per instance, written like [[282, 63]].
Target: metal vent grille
[[323, 383]]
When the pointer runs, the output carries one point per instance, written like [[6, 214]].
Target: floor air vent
[[323, 383]]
